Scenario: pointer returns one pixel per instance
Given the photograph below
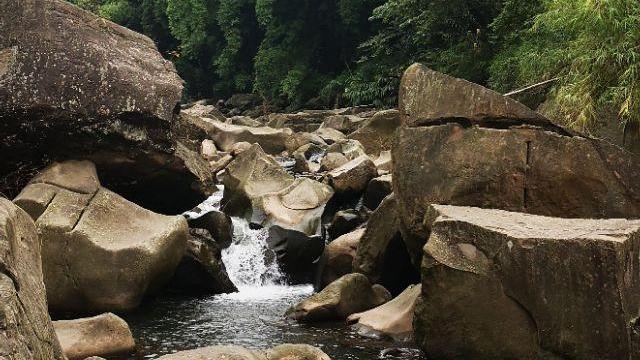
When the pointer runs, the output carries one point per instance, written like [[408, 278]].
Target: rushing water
[[252, 317]]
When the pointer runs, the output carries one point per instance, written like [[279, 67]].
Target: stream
[[253, 317]]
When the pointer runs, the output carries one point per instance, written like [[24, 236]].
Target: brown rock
[[376, 135], [351, 149], [330, 135], [339, 256], [393, 319], [349, 294], [26, 331], [427, 97], [497, 284], [333, 161], [353, 177], [280, 352], [382, 254], [100, 251], [520, 169], [377, 190], [101, 335], [201, 270], [66, 73]]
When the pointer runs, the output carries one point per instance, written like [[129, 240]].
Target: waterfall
[[249, 261]]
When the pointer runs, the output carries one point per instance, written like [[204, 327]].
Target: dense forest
[[312, 53]]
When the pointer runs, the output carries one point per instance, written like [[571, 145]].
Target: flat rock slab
[[498, 284], [281, 352]]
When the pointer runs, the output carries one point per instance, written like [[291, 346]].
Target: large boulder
[[338, 257], [427, 97], [297, 253], [462, 144], [377, 190], [74, 85], [26, 332], [393, 319], [251, 175], [101, 335], [376, 135], [498, 284], [349, 294], [520, 169], [100, 251], [259, 189], [280, 352], [382, 254]]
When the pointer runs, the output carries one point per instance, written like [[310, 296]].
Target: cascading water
[[252, 317], [249, 260]]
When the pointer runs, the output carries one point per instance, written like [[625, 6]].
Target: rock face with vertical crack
[[506, 285], [488, 151], [100, 251], [26, 332], [65, 74]]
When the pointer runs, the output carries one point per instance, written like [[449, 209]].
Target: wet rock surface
[[393, 319], [347, 295]]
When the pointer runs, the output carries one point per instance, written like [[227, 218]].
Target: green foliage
[[592, 47], [354, 51]]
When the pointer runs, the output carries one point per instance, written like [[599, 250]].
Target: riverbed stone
[[251, 175], [499, 284], [428, 97], [297, 253], [232, 352], [333, 160], [377, 190], [338, 256], [330, 135], [101, 335], [295, 352], [353, 177], [201, 270], [393, 319], [349, 294], [225, 135], [298, 207], [350, 148], [376, 134], [100, 251], [26, 331]]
